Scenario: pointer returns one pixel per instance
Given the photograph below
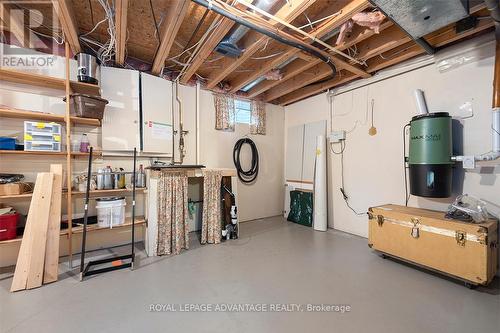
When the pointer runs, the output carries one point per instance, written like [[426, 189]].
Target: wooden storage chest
[[466, 251]]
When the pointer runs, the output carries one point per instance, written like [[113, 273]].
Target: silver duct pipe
[[235, 36]]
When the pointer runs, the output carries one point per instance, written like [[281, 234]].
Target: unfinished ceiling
[[178, 38]]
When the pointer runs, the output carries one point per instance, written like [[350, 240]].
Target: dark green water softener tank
[[430, 154]]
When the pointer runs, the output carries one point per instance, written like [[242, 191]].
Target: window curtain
[[211, 223], [173, 228], [224, 112], [258, 118]]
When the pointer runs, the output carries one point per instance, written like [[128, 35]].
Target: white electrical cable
[[320, 20], [268, 56], [288, 25]]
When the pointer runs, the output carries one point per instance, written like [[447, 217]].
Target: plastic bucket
[[110, 211]]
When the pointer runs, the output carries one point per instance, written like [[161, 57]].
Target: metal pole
[[133, 208], [85, 217]]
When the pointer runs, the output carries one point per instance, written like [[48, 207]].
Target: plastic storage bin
[[87, 106], [7, 143], [8, 226], [40, 136], [110, 211]]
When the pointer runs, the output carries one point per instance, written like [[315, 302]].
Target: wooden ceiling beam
[[358, 35], [391, 38], [346, 13], [394, 56], [209, 45], [176, 14], [254, 41], [121, 9], [295, 96], [66, 17]]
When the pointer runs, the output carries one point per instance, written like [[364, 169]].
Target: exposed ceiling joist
[[208, 46], [312, 90], [254, 41], [391, 57], [64, 12], [358, 35], [121, 9], [178, 9], [346, 13], [391, 38]]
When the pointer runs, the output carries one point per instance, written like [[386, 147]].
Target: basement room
[[249, 166]]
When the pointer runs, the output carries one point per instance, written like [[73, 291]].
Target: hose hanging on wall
[[250, 175]]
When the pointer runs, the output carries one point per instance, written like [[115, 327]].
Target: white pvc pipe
[[420, 100], [198, 122], [495, 128], [320, 217]]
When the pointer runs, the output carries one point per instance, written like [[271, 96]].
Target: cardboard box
[[15, 188]]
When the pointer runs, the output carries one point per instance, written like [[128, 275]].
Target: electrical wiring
[[268, 56], [60, 42], [106, 51], [342, 185], [319, 20], [212, 27], [95, 27], [278, 35], [341, 153]]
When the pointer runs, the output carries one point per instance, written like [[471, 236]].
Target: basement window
[[242, 110]]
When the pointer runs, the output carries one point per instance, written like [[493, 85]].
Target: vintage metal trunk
[[466, 251]]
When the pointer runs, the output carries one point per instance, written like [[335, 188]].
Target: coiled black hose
[[250, 175]]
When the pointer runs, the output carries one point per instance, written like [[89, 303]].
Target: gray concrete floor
[[274, 262]]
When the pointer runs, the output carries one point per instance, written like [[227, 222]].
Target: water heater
[[430, 163]]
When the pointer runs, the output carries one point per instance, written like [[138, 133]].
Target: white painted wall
[[265, 197], [373, 167]]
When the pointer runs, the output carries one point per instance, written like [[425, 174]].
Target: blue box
[[7, 143]]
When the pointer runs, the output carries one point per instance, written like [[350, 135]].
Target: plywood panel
[[294, 153], [311, 131]]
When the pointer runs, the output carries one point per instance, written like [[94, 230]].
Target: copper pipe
[[496, 78]]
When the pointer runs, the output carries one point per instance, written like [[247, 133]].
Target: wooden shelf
[[78, 230], [51, 153], [47, 82], [95, 193], [32, 115], [139, 220]]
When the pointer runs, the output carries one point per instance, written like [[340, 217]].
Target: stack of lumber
[[38, 259]]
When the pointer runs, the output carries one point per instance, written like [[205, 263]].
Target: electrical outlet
[[337, 136], [469, 162]]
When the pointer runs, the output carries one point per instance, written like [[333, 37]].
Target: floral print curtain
[[173, 228], [211, 223], [224, 112], [258, 118]]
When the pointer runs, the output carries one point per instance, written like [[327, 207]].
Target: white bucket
[[110, 211]]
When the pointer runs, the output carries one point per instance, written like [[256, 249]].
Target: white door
[[120, 125], [156, 114]]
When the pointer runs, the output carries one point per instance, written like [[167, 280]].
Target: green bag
[[301, 208]]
